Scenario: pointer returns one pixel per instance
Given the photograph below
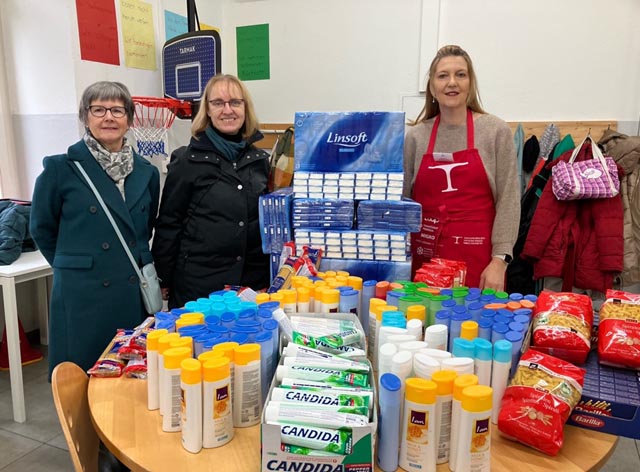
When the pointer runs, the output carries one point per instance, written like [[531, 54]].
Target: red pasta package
[[538, 401], [619, 330], [562, 324]]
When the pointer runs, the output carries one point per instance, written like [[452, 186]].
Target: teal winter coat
[[95, 288]]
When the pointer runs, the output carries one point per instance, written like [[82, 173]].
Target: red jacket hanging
[[580, 240]]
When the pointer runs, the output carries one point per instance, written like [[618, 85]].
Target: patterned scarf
[[116, 164]]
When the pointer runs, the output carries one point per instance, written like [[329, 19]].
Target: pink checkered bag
[[591, 178]]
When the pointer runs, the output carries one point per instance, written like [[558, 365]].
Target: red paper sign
[[98, 31]]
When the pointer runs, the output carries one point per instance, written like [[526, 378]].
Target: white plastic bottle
[[483, 351], [228, 350], [153, 392], [474, 444], [461, 365], [436, 336], [303, 300], [444, 394], [459, 384], [387, 351], [414, 327], [289, 301], [418, 444], [172, 393], [191, 377], [374, 305], [402, 367], [247, 398], [217, 425], [163, 345], [424, 366], [500, 374], [331, 300]]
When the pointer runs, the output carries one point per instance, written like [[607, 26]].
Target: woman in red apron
[[465, 176]]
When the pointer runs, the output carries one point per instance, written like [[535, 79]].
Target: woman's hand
[[493, 275]]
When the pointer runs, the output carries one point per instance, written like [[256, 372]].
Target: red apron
[[457, 207]]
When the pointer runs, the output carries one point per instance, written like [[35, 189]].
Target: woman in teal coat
[[95, 288]]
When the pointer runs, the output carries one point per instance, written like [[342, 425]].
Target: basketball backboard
[[188, 62]]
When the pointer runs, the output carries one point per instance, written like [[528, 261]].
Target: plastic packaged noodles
[[619, 330], [539, 399]]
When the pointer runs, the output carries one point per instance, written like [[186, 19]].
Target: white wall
[[536, 60]]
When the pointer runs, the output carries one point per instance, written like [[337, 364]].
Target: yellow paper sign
[[138, 35]]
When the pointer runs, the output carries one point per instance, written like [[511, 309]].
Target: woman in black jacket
[[208, 233]]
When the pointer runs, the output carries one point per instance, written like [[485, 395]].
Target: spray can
[[389, 422]]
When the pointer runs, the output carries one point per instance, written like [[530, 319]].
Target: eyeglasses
[[99, 111], [233, 103]]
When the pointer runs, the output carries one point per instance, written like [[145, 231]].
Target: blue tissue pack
[[349, 141]]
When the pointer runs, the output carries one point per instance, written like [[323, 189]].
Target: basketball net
[[151, 121]]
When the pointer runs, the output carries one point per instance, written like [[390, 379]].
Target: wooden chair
[[69, 384]]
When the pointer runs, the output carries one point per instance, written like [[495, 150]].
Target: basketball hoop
[[151, 120]]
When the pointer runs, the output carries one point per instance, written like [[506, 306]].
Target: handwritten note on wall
[[175, 25], [253, 52], [98, 31], [137, 34]]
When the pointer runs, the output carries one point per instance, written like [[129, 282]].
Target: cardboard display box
[[610, 400], [361, 459]]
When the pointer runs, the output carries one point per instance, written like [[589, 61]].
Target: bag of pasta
[[562, 324], [619, 330], [538, 401]]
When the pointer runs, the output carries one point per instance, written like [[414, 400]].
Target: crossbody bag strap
[[111, 220]]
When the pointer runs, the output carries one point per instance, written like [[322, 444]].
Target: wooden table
[[29, 266], [134, 434]]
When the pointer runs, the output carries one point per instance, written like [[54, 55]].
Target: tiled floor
[[38, 445]]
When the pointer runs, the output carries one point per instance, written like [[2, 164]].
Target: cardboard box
[[610, 400], [361, 459]]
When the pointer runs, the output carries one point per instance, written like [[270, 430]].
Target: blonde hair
[[432, 107], [202, 120]]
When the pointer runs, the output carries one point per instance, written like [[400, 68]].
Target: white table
[[29, 266]]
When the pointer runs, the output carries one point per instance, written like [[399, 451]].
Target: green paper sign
[[252, 45]]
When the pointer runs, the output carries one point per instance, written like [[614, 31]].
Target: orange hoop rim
[[178, 108]]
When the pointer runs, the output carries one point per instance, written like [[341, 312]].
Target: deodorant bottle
[[389, 422]]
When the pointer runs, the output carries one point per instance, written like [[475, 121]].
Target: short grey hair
[[106, 91]]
